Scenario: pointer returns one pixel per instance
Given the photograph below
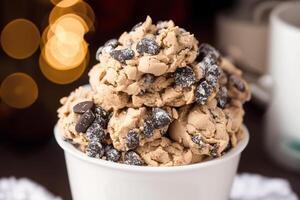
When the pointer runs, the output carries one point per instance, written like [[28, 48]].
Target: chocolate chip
[[185, 77], [102, 117], [84, 121], [95, 150], [148, 78], [136, 26], [213, 70], [236, 82], [214, 151], [206, 62], [82, 107], [206, 49], [95, 133], [112, 154], [102, 113], [112, 42], [147, 45], [203, 91], [213, 73], [108, 47], [122, 55], [108, 147], [132, 139], [102, 122], [222, 97], [212, 80], [99, 52], [148, 128], [160, 118], [132, 158], [197, 139]]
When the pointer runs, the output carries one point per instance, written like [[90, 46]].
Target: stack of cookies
[[157, 97]]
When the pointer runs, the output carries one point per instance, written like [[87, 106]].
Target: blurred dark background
[[27, 146]]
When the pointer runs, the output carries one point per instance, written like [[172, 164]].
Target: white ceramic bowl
[[96, 179]]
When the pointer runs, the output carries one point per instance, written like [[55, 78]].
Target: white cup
[[283, 121], [95, 179]]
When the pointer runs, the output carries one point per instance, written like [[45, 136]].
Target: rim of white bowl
[[70, 149]]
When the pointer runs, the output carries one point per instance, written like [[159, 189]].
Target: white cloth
[[23, 189], [245, 187], [257, 187]]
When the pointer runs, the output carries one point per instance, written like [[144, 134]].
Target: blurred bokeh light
[[19, 90], [64, 52], [63, 44], [20, 38], [65, 55], [72, 23], [62, 76], [64, 3], [79, 8]]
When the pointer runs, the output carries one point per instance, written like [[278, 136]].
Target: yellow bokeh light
[[70, 23], [63, 43], [20, 38], [19, 90], [66, 23], [64, 52], [64, 3], [62, 76], [65, 56], [47, 33], [79, 8], [68, 49]]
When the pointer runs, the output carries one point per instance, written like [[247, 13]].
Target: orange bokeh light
[[20, 38], [66, 23], [63, 44], [64, 3], [62, 76], [65, 56], [64, 52], [19, 90], [46, 33], [79, 8], [69, 23]]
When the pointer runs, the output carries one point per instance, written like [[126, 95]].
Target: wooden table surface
[[45, 164]]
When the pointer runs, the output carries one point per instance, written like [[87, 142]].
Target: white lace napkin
[[256, 187], [23, 189]]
